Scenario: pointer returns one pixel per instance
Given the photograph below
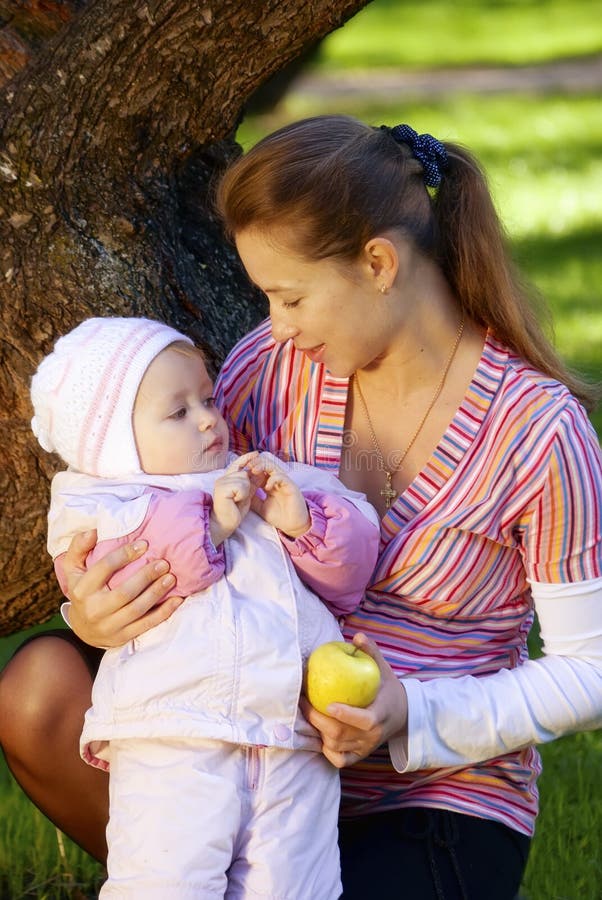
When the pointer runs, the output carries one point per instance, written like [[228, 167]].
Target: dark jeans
[[430, 854]]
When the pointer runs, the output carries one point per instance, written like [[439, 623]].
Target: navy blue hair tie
[[425, 148]]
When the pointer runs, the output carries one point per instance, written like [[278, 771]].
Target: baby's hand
[[231, 499], [277, 499]]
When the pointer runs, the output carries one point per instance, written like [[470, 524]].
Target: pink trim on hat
[[115, 371], [66, 373]]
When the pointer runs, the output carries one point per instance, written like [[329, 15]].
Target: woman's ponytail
[[473, 252]]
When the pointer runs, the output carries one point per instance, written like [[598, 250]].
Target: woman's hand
[[349, 733], [108, 618]]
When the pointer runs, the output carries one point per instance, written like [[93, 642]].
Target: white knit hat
[[83, 392]]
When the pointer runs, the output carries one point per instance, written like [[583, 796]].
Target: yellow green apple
[[339, 672]]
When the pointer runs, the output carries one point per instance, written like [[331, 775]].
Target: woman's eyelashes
[[279, 301]]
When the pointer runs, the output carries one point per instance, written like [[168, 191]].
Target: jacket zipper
[[253, 767]]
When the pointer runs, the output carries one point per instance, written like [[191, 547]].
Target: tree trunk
[[111, 136]]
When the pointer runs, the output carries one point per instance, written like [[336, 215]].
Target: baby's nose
[[207, 418]]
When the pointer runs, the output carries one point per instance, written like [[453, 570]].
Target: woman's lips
[[315, 353]]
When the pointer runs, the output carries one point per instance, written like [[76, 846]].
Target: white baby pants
[[195, 820]]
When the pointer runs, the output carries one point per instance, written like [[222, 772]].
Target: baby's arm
[[333, 546], [177, 528], [336, 556]]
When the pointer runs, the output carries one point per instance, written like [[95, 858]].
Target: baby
[[217, 784]]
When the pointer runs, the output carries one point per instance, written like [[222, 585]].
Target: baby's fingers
[[242, 462], [276, 481]]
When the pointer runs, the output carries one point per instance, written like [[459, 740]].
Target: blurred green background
[[429, 33], [541, 145]]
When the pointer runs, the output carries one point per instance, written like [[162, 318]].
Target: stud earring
[[383, 288]]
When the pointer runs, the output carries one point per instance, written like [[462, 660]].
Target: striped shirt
[[512, 494]]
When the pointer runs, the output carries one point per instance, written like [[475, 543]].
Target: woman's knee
[[46, 684]]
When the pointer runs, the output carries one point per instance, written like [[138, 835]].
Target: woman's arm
[[449, 722], [462, 720]]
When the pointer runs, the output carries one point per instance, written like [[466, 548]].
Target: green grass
[[430, 33], [9, 644], [35, 859], [565, 861]]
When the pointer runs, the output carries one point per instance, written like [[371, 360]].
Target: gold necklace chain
[[389, 492]]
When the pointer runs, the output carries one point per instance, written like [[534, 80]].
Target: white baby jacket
[[228, 663]]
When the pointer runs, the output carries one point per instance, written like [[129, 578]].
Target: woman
[[404, 354]]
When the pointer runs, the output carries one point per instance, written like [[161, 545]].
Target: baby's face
[[176, 425]]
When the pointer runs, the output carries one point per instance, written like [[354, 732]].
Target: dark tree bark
[[111, 135], [26, 25]]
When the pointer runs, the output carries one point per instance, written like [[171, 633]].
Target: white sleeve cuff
[[399, 747], [65, 607]]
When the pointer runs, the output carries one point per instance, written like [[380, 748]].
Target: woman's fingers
[[139, 593], [342, 744], [351, 726], [105, 617], [97, 576], [154, 616], [74, 561], [100, 616], [363, 642], [340, 760], [350, 733], [111, 618]]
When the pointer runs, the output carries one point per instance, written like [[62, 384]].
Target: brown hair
[[339, 183], [186, 349]]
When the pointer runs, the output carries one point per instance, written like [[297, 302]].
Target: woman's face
[[335, 315]]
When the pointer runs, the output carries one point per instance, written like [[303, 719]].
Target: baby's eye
[[290, 304], [209, 402], [179, 413]]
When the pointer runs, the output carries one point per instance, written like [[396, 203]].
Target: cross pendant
[[388, 492]]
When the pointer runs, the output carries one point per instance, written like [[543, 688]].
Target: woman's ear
[[382, 257]]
